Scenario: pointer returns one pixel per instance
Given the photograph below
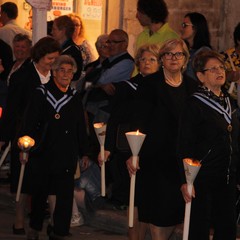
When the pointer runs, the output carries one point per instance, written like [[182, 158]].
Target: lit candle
[[100, 130], [24, 143], [191, 168], [135, 141]]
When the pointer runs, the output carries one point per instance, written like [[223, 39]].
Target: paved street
[[81, 233]]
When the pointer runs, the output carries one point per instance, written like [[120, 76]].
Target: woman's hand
[[187, 197], [106, 156], [131, 169]]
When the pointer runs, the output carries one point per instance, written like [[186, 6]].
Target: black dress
[[157, 112]]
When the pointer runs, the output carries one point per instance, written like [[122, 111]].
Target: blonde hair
[[151, 48], [168, 45], [82, 29]]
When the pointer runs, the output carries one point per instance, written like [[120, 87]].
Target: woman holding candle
[[209, 131], [116, 146], [22, 82], [159, 101], [53, 166]]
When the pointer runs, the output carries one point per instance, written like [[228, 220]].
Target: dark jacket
[[71, 49]]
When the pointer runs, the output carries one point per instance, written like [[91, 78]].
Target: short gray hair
[[64, 59]]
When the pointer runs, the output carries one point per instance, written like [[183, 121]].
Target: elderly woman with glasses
[[159, 101], [209, 131]]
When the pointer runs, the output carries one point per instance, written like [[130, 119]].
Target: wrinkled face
[[102, 48], [46, 62], [116, 44], [213, 76], [21, 50], [187, 30], [174, 60], [143, 19], [63, 76], [148, 63], [57, 33]]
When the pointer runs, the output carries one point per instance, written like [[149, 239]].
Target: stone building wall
[[222, 17]]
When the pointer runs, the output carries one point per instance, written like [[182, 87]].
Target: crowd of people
[[177, 90]]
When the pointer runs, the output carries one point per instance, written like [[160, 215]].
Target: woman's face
[[57, 33], [21, 50], [45, 63], [148, 63], [213, 76], [174, 60], [63, 76], [187, 30], [78, 26]]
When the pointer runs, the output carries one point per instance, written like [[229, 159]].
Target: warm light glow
[[137, 132], [192, 162], [98, 125], [0, 112], [26, 142]]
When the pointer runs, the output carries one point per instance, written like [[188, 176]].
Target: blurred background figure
[[62, 30], [28, 25], [195, 32], [80, 40], [9, 14], [232, 62]]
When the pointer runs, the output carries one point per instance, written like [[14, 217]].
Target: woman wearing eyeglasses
[[194, 31], [209, 131], [159, 101]]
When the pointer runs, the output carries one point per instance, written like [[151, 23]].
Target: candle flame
[[192, 162], [137, 132], [98, 125]]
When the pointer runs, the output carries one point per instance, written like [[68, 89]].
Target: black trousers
[[213, 207], [61, 185]]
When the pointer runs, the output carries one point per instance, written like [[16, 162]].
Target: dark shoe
[[18, 231], [57, 237], [32, 234]]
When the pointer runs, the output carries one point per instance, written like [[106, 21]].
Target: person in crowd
[[87, 193], [22, 84], [195, 32], [52, 170], [152, 15], [118, 67], [6, 61], [94, 68], [116, 146], [232, 62], [21, 49], [9, 14], [63, 30], [80, 40], [159, 102], [209, 132]]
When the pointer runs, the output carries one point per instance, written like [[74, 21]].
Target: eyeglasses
[[64, 71], [112, 42], [177, 55], [144, 60], [184, 25], [221, 68]]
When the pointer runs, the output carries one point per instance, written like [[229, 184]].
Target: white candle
[[100, 130], [191, 170], [135, 140]]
